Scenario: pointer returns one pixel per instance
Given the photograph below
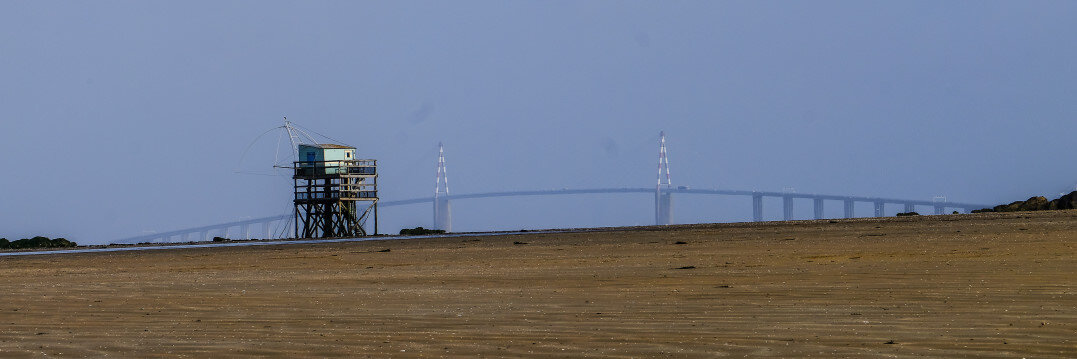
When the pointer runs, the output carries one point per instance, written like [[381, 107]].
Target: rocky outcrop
[[36, 242], [1038, 203], [1068, 201]]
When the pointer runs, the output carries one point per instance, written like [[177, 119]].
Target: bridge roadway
[[757, 196]]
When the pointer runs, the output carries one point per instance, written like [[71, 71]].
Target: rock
[[419, 231], [1068, 201], [1037, 203], [1012, 207]]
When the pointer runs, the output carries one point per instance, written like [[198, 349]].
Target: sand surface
[[990, 285]]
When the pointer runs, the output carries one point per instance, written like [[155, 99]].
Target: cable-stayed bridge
[[663, 192], [268, 227]]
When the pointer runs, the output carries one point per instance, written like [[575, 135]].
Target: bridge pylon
[[663, 197], [442, 207], [757, 207]]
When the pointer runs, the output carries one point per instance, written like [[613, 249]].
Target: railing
[[339, 167], [342, 194]]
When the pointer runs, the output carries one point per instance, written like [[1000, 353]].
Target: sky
[[122, 118]]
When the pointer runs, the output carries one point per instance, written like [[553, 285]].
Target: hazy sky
[[127, 117]]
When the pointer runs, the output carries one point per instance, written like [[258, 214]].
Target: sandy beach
[[987, 285]]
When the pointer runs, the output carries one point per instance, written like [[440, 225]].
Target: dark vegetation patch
[[36, 242], [686, 267], [386, 250], [519, 242], [680, 242], [1038, 203], [903, 214], [419, 231]]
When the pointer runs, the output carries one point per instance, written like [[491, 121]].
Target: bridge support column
[[880, 209], [787, 208], [246, 229], [663, 208], [224, 232], [940, 210], [265, 231], [442, 214], [186, 237], [757, 207], [909, 207], [818, 204], [850, 205]]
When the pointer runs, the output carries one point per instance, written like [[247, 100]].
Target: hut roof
[[329, 146]]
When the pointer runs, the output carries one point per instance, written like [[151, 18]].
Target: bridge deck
[[555, 192]]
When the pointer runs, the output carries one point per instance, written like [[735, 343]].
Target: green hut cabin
[[332, 158]]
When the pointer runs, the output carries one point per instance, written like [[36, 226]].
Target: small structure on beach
[[335, 192]]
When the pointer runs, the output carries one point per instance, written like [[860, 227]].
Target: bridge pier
[[757, 207], [663, 208], [442, 214], [818, 204], [909, 207], [940, 210], [850, 206], [246, 229], [265, 231], [880, 209], [787, 208]]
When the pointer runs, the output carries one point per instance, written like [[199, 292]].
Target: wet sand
[[987, 285]]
